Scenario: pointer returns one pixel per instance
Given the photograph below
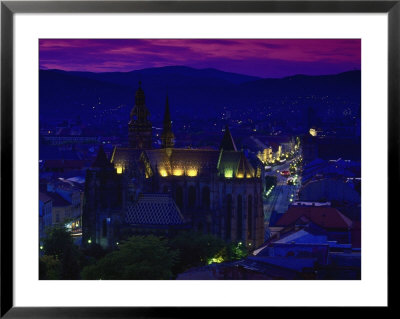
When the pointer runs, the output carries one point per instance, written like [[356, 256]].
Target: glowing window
[[191, 172], [163, 173], [228, 173], [178, 172]]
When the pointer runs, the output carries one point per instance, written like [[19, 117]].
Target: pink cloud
[[234, 55]]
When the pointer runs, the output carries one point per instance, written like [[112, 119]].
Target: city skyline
[[266, 58]]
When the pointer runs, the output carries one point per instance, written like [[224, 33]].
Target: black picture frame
[[9, 8]]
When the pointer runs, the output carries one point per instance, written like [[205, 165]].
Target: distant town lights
[[313, 132]]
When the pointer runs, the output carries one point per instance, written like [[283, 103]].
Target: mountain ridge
[[193, 93]]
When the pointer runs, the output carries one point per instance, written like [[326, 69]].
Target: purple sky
[[264, 58]]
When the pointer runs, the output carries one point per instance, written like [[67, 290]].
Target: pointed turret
[[167, 136], [227, 143], [139, 96], [101, 160]]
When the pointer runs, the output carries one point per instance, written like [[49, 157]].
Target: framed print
[[196, 154]]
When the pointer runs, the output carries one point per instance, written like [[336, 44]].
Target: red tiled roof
[[326, 217]]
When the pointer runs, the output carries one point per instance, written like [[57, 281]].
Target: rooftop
[[44, 197], [154, 209], [325, 217], [58, 200]]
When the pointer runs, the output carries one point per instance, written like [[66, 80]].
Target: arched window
[[239, 224], [192, 197], [179, 197], [228, 217], [250, 217], [205, 197]]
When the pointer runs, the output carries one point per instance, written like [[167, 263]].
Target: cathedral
[[145, 190]]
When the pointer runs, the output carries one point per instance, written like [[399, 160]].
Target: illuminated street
[[281, 194]]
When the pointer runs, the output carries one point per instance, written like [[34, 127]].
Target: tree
[[94, 251], [59, 244], [195, 249], [49, 268], [138, 257], [236, 251]]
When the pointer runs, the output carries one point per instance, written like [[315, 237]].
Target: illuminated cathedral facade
[[207, 190]]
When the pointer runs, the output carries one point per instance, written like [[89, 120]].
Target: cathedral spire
[[227, 143], [167, 136]]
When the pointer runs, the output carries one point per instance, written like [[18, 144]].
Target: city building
[[336, 181], [331, 147], [277, 148], [317, 241], [62, 210], [45, 212], [329, 190]]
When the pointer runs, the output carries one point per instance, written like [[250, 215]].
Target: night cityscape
[[200, 159]]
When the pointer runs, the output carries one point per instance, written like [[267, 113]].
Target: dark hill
[[192, 94]]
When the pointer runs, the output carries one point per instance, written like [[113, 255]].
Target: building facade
[[216, 191]]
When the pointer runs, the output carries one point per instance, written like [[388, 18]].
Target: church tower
[[102, 203], [140, 128], [228, 143], [167, 136]]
